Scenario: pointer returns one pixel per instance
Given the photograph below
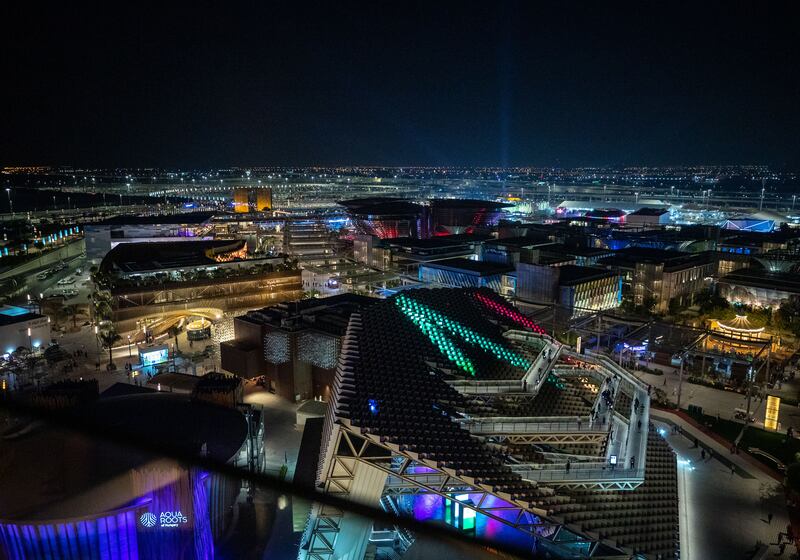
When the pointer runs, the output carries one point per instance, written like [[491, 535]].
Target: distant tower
[[264, 199], [241, 200]]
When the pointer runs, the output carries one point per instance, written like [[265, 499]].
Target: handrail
[[562, 475], [532, 428]]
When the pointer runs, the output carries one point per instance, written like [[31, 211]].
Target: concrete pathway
[[723, 513], [281, 435]]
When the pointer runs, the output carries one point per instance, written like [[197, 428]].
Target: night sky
[[400, 83]]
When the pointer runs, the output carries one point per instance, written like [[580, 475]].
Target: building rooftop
[[187, 218], [443, 241], [761, 278], [754, 238], [550, 259], [584, 251], [381, 207], [672, 260], [329, 314], [521, 242], [571, 274], [479, 268], [158, 256], [467, 203], [649, 212], [605, 214]]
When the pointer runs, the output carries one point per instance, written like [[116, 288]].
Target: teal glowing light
[[434, 325]]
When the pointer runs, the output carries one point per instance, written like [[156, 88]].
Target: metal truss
[[323, 531], [552, 438], [599, 484], [354, 447]]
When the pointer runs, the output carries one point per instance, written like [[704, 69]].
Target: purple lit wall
[[112, 537], [125, 534], [203, 540]]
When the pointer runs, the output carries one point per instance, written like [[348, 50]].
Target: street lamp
[[794, 198], [97, 340], [10, 202], [30, 344], [129, 346]]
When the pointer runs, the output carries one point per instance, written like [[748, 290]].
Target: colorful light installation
[[276, 347], [515, 316], [436, 335], [318, 349], [433, 324]]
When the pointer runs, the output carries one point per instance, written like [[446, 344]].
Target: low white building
[[20, 327]]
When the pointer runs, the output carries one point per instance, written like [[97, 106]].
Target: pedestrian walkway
[[723, 511]]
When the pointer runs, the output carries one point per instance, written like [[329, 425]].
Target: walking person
[[569, 465], [769, 518]]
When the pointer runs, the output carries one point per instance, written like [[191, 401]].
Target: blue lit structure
[[139, 530], [133, 507], [750, 224]]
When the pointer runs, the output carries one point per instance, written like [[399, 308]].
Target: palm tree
[[72, 311], [108, 337]]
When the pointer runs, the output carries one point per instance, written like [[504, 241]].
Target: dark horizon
[[391, 85]]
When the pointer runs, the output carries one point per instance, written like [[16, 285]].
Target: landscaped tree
[[792, 480], [648, 303], [72, 311], [788, 316], [107, 338]]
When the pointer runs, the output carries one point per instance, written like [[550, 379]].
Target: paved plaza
[[723, 514]]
